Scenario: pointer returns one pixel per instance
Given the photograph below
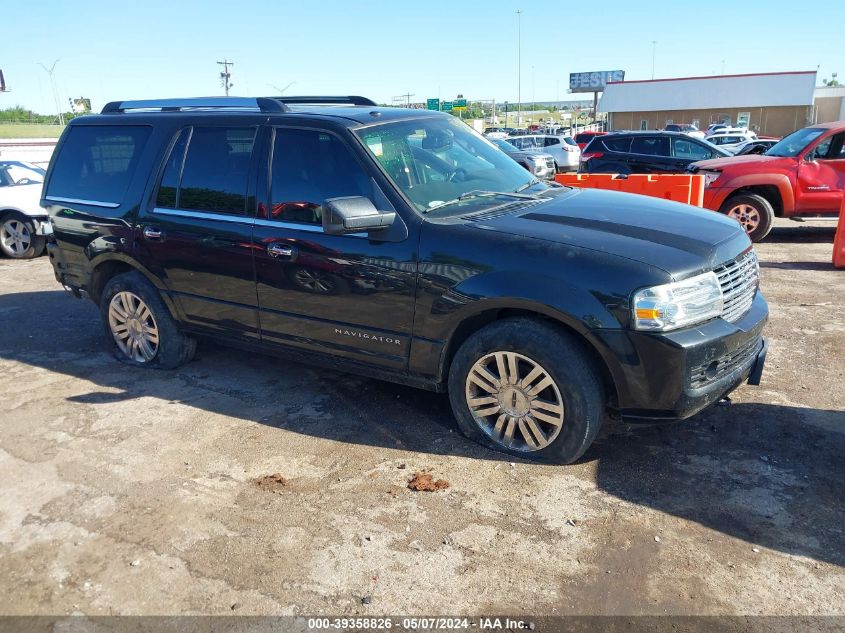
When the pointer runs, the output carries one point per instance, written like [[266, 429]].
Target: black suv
[[645, 153], [401, 245]]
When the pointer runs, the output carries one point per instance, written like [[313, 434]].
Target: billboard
[[594, 81], [80, 106]]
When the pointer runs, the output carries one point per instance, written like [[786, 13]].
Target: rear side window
[[97, 162], [549, 142], [650, 145], [207, 170], [620, 144], [685, 148]]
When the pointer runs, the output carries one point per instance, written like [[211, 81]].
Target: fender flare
[[781, 181]]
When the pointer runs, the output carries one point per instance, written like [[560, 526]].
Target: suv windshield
[[440, 164], [793, 144]]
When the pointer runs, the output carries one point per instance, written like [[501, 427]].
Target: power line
[[225, 76]]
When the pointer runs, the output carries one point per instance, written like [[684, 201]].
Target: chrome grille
[[550, 163], [739, 280]]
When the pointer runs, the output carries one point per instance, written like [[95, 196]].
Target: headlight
[[710, 177], [679, 304]]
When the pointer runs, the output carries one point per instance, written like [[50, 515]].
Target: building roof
[[704, 93]]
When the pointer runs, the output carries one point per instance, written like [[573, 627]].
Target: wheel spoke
[[507, 439], [535, 429], [488, 411], [500, 366], [526, 434], [512, 369], [484, 379], [500, 425], [540, 386], [146, 348], [480, 402], [551, 407], [555, 421]]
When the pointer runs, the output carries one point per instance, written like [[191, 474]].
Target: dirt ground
[[248, 484]]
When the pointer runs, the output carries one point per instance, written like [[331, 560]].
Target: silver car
[[563, 149]]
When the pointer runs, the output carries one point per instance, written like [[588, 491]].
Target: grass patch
[[29, 130]]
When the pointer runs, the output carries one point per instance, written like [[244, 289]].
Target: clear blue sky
[[382, 48]]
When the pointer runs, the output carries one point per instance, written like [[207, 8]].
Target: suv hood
[[764, 162], [680, 239]]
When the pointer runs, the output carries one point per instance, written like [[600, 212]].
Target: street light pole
[[653, 48], [518, 65]]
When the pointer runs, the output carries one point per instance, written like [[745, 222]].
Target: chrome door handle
[[277, 251], [153, 233]]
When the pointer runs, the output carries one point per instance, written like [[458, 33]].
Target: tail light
[[590, 155]]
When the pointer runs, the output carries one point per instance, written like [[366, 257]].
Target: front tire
[[754, 213], [529, 389], [18, 239], [140, 325]]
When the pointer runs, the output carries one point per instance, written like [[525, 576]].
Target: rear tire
[[140, 326], [17, 237], [529, 389], [754, 213]]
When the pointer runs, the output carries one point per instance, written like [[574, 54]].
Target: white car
[[563, 149], [685, 128], [730, 141], [23, 223]]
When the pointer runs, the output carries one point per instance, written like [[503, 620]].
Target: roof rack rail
[[260, 104], [334, 100]]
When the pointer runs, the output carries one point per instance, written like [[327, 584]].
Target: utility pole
[[50, 71], [225, 76], [518, 64], [653, 48]]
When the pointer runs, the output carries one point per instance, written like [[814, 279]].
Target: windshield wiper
[[530, 183], [481, 193]]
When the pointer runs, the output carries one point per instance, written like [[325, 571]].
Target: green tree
[[833, 81]]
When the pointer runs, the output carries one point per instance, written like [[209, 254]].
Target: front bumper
[[674, 375]]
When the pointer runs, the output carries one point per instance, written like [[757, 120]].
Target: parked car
[[713, 128], [539, 164], [563, 148], [687, 128], [495, 132], [540, 309], [645, 153], [757, 146], [582, 139], [22, 220], [729, 141], [801, 175]]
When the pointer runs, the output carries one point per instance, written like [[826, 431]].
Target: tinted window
[[97, 162], [650, 145], [308, 168], [216, 167], [583, 138], [688, 149], [619, 144], [548, 142], [167, 192]]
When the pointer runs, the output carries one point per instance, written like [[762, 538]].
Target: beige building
[[771, 104], [830, 104]]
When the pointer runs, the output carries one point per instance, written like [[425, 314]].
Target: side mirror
[[354, 214]]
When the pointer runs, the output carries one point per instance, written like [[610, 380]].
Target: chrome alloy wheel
[[515, 401], [746, 215], [16, 236], [133, 326]]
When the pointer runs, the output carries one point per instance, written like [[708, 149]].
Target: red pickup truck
[[802, 175]]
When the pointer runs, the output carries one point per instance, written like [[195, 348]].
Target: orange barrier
[[678, 187], [839, 240]]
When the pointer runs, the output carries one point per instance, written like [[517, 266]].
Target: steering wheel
[[459, 175]]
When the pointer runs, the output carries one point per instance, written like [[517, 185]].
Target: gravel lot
[[127, 491]]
